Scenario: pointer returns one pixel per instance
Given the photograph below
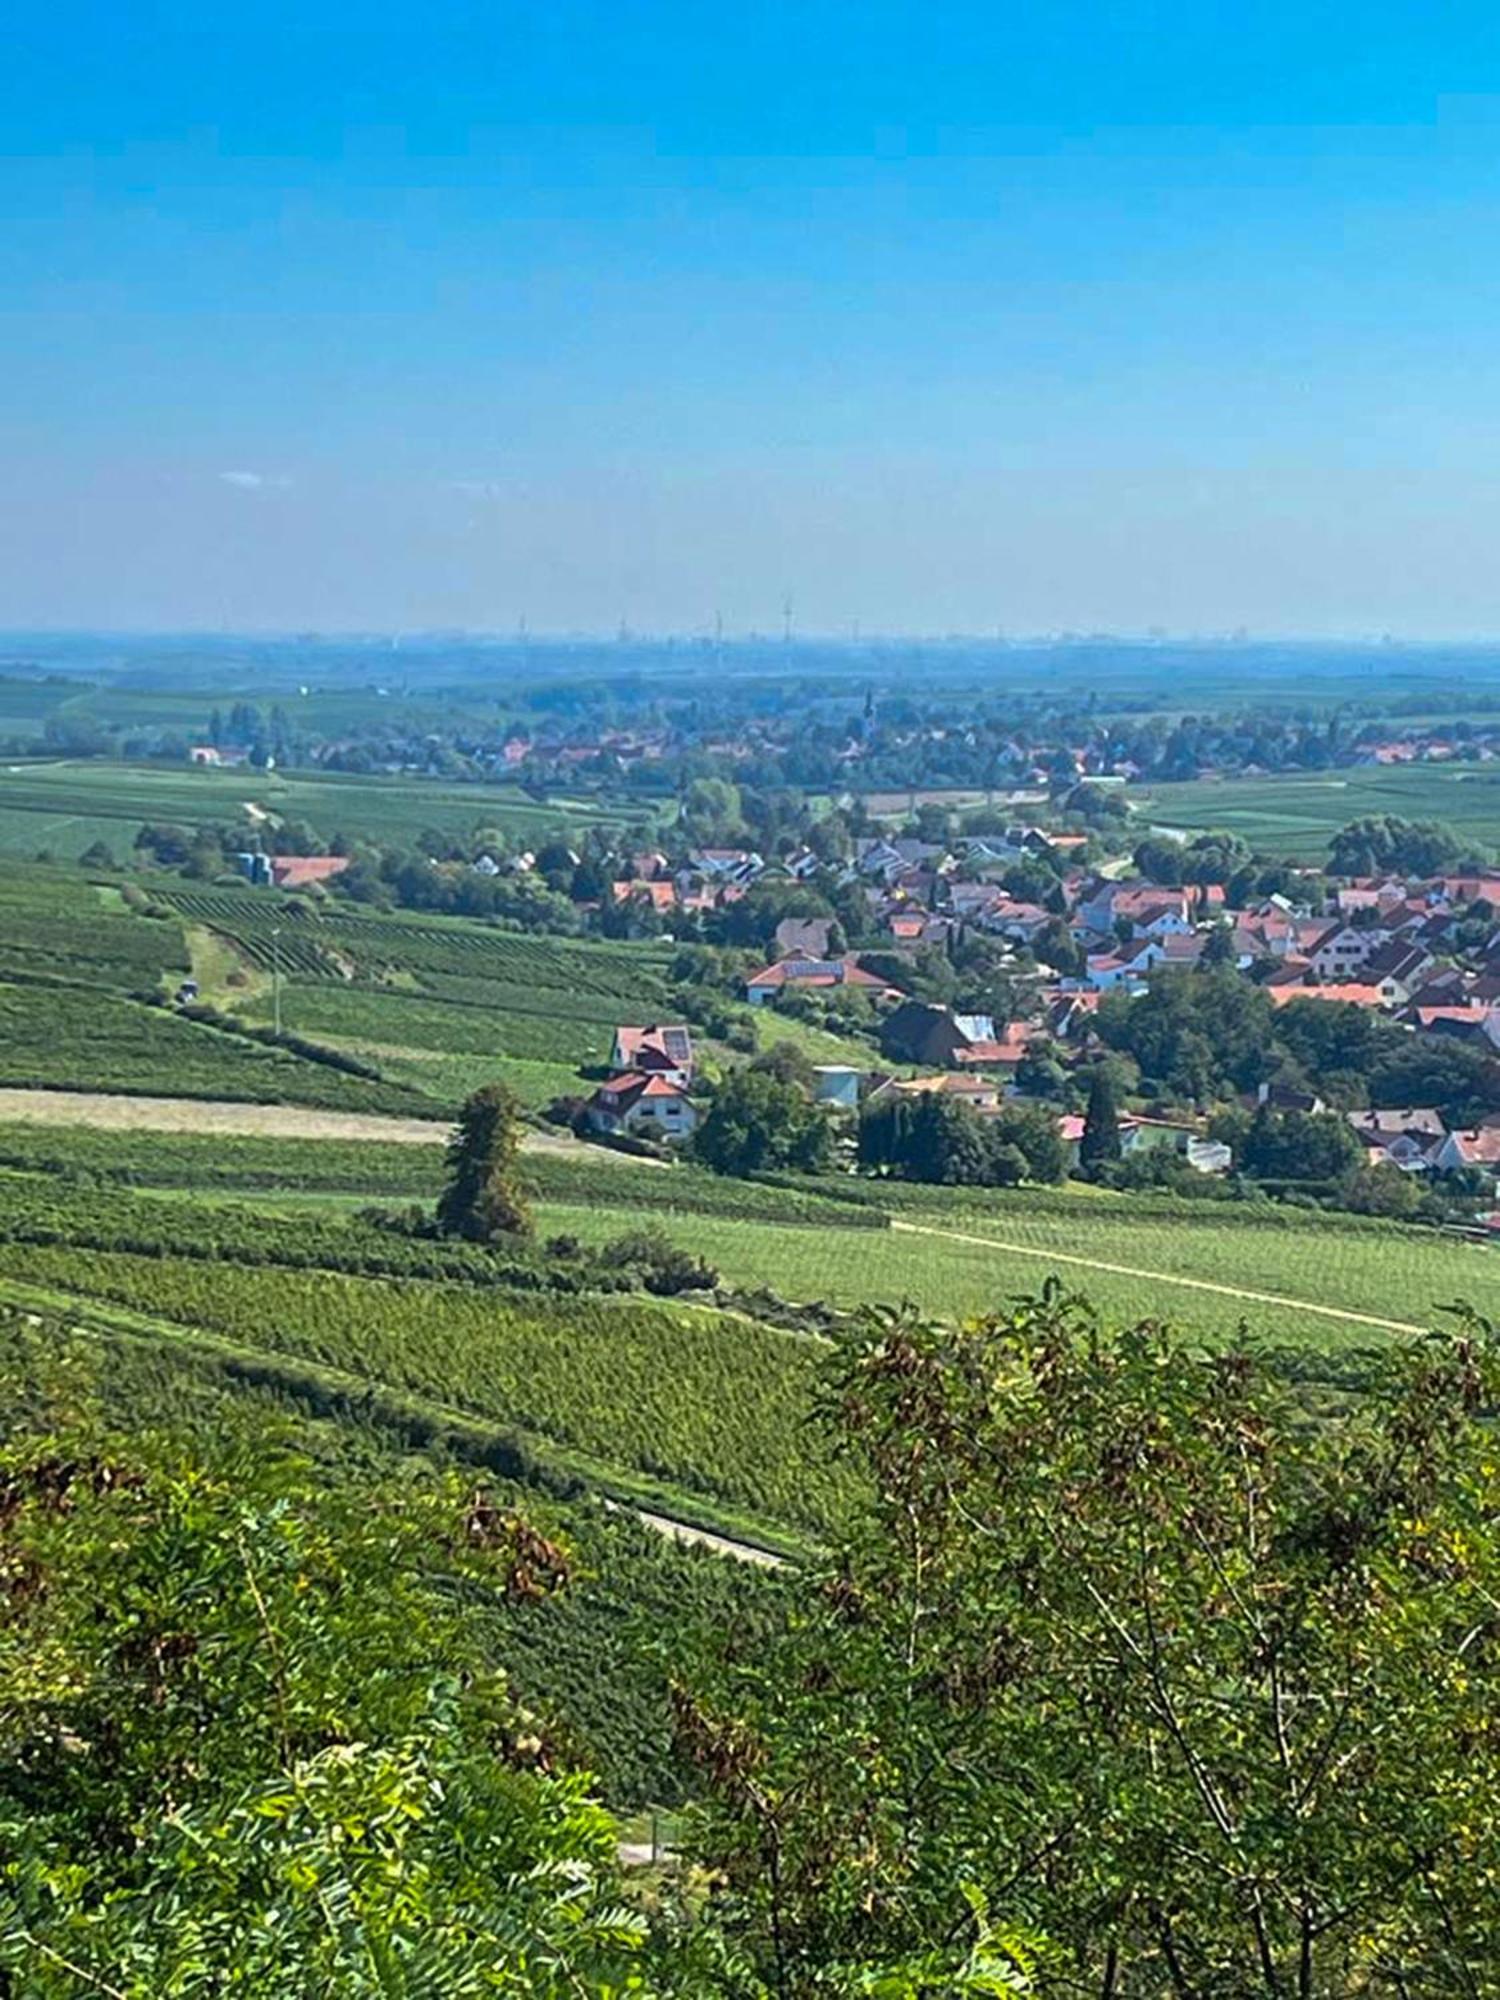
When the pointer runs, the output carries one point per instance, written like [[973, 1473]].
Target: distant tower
[[786, 620]]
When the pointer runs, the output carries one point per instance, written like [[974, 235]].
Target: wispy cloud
[[478, 489], [254, 482]]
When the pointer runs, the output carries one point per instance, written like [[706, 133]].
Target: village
[[1421, 956]]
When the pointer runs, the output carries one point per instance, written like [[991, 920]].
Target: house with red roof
[[791, 975], [1478, 1149], [664, 1050], [645, 1107]]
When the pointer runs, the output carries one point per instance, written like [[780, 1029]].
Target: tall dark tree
[[484, 1196], [1101, 1126]]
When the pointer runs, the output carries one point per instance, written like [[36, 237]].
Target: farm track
[[116, 1112], [999, 1245]]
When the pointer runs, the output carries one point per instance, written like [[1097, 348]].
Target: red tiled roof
[[1350, 995], [290, 871]]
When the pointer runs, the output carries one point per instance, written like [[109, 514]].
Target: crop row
[[378, 944], [377, 1168], [68, 1039], [593, 1657], [222, 1161], [53, 923], [705, 1401]]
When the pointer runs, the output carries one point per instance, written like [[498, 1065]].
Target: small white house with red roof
[[645, 1107]]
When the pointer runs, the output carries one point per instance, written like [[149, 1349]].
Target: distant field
[[1298, 816], [65, 806]]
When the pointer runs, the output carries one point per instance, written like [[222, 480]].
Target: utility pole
[[276, 978]]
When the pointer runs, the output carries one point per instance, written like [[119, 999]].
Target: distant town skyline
[[935, 320]]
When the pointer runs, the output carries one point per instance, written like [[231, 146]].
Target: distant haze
[[1130, 315]]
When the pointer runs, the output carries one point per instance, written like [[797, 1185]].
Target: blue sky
[[930, 317]]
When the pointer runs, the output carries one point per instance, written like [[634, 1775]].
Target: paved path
[[1162, 1278]]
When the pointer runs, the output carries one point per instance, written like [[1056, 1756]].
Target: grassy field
[[1297, 816], [988, 1247], [979, 1255], [65, 805]]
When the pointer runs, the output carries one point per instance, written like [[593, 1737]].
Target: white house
[[643, 1106], [1346, 951]]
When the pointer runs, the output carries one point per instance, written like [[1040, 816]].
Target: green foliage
[[1206, 1693], [244, 1724], [1388, 843], [1196, 1036], [484, 1197], [1298, 1145], [932, 1137], [757, 1122], [1100, 1143]]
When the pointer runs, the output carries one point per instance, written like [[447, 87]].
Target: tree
[[948, 1145], [252, 1730], [1299, 1146], [1218, 949], [484, 1197], [1200, 1691], [758, 1122], [1100, 1143], [1385, 843]]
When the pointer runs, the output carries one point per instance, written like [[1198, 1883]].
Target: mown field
[[1297, 816], [63, 806]]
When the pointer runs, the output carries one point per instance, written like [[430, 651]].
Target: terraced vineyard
[[56, 924], [439, 1003]]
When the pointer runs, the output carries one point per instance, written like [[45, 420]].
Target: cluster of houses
[[647, 1095], [1384, 944]]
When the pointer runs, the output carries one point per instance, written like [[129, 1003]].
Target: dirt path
[[108, 1111], [1162, 1278], [704, 1538]]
